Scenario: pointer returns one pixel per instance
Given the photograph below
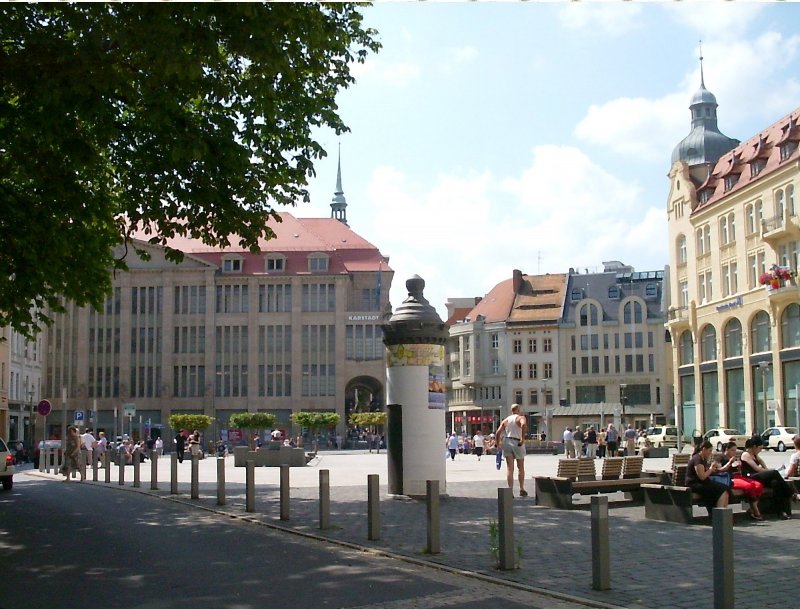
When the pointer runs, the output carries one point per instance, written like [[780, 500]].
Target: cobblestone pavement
[[655, 565]]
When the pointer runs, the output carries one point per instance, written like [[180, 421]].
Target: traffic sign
[[129, 410], [91, 416], [44, 408]]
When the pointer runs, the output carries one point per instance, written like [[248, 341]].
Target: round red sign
[[44, 408]]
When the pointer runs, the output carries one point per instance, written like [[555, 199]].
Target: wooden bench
[[578, 477], [675, 502]]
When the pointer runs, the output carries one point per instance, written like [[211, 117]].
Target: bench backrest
[[679, 475], [567, 468], [632, 467], [680, 459], [586, 469], [612, 468]]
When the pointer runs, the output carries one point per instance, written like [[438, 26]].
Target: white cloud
[[398, 74], [466, 233], [613, 19], [746, 76], [714, 19]]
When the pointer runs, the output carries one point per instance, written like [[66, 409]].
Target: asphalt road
[[72, 545]]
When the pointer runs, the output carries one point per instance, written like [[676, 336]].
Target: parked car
[[50, 444], [778, 438], [720, 436], [6, 466], [663, 435]]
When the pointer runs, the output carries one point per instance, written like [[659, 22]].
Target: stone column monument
[[415, 337]]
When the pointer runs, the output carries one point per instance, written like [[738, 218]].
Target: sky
[[492, 136]]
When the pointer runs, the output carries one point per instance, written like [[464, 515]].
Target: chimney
[[517, 281]]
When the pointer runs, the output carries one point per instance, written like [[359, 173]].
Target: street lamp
[[622, 387], [764, 367]]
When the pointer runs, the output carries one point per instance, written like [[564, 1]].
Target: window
[[533, 397], [733, 338], [533, 371], [730, 181], [632, 312], [588, 315], [684, 293], [787, 149], [317, 263], [708, 344], [531, 345], [576, 294], [276, 263], [756, 264], [547, 345], [730, 282], [651, 290], [232, 265], [517, 345], [757, 166], [760, 338], [518, 396], [686, 347], [731, 227], [495, 366], [232, 299], [683, 255], [548, 397], [704, 287], [790, 199], [319, 297], [548, 370], [790, 326], [613, 293], [495, 340], [517, 372], [275, 298], [723, 230], [703, 236], [363, 343]]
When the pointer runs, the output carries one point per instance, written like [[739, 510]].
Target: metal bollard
[[433, 515], [195, 477], [284, 492], [505, 529], [106, 462], [722, 540], [44, 460], [601, 551], [121, 468], [373, 508], [95, 456], [137, 475], [324, 499], [153, 470], [250, 501], [173, 482], [221, 481]]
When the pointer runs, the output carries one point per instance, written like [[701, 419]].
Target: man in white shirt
[[569, 447], [512, 430], [477, 441], [88, 443]]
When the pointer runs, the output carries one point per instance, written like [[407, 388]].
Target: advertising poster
[[431, 356]]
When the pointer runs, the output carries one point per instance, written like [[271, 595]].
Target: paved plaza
[[654, 564]]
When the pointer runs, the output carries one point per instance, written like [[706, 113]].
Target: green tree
[[315, 421], [254, 421], [200, 422], [155, 120], [368, 419]]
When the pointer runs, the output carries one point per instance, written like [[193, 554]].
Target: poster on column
[[431, 356]]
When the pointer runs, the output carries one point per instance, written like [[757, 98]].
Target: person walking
[[452, 445], [159, 446], [180, 444], [612, 437], [630, 441], [569, 447], [512, 431], [478, 442], [577, 442], [102, 446], [72, 452]]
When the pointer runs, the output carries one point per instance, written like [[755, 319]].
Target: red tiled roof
[[765, 146], [295, 239], [540, 299]]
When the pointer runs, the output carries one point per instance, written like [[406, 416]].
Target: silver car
[[6, 466]]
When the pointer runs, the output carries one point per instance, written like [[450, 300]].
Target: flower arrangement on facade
[[775, 277]]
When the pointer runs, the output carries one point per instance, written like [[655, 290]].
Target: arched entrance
[[363, 394]]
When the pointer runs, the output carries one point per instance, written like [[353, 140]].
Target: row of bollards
[[722, 518]]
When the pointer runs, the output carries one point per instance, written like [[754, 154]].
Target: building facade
[[734, 235], [20, 384], [295, 327]]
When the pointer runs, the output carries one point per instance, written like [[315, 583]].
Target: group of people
[[184, 441], [713, 477], [591, 443]]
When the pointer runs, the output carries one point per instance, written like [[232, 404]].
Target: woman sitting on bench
[[698, 477], [754, 468], [752, 489]]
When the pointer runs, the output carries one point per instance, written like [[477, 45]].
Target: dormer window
[[232, 265], [275, 263], [757, 166], [651, 291], [317, 262], [704, 195], [787, 149], [576, 294], [613, 293], [730, 181]]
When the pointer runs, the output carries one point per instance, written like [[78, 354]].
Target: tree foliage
[[316, 420], [367, 419], [191, 422], [155, 119], [252, 420]]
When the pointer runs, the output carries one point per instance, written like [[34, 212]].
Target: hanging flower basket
[[776, 277]]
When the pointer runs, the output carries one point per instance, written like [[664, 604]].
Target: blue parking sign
[[78, 417]]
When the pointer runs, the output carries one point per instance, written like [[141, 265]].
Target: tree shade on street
[[160, 120]]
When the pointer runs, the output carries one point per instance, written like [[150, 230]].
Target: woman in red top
[[752, 489]]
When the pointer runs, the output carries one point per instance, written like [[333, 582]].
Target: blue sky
[[493, 136]]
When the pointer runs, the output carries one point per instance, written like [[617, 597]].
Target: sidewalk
[[654, 564]]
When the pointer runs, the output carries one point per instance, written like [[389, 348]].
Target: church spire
[[339, 203], [702, 80]]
